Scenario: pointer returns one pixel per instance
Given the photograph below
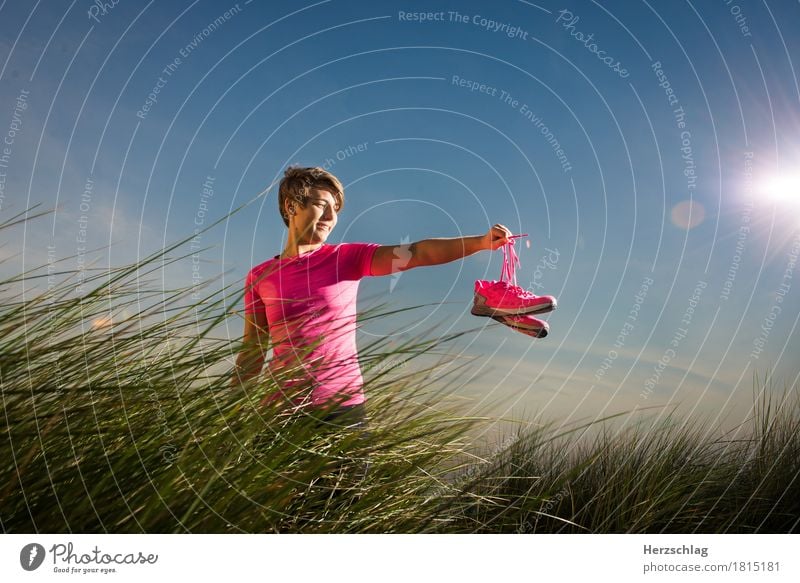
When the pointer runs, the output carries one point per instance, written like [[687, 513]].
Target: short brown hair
[[297, 183]]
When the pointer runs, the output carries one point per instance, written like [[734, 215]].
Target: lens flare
[[783, 188], [687, 214]]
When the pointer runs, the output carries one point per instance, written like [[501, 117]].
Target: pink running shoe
[[505, 297], [499, 298], [525, 324]]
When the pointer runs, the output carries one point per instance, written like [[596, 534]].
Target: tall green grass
[[118, 416], [674, 477]]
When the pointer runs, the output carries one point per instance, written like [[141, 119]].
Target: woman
[[305, 298]]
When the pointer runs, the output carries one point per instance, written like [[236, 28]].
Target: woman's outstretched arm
[[393, 258]]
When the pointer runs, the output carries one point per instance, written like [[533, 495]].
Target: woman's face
[[317, 220]]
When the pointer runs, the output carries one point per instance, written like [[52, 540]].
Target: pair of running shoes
[[510, 304], [513, 306]]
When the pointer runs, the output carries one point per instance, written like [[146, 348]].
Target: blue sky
[[595, 129]]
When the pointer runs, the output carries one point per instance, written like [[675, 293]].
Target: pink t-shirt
[[310, 303]]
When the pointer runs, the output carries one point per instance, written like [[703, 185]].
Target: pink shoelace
[[510, 264]]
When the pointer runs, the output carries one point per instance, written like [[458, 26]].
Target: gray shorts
[[352, 417]]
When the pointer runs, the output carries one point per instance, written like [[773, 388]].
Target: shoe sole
[[535, 332], [484, 310]]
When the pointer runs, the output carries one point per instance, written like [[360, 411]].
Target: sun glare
[[783, 188]]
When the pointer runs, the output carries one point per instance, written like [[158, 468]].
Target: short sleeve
[[252, 299], [357, 257]]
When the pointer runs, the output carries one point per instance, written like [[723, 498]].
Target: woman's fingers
[[498, 236], [501, 234]]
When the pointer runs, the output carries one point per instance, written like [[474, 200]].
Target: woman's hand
[[497, 236]]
